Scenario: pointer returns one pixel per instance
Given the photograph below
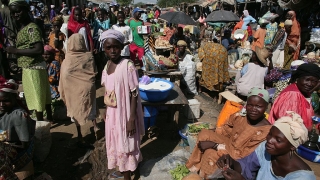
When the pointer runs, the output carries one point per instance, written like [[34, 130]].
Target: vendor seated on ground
[[187, 67], [253, 73], [179, 36], [239, 136], [309, 48], [297, 96], [274, 158], [14, 118]]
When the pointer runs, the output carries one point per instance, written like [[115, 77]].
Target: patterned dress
[[34, 75], [271, 31], [60, 54], [7, 154], [214, 66], [54, 75]]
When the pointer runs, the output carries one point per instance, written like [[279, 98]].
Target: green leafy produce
[[179, 172], [196, 128]]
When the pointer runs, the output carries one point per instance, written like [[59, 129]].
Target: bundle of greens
[[197, 127], [179, 172]]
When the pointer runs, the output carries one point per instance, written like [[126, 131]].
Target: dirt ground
[[68, 162]]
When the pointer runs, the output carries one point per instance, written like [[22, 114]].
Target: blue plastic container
[[311, 155], [155, 96]]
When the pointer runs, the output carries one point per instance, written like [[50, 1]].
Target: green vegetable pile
[[196, 128], [179, 172]]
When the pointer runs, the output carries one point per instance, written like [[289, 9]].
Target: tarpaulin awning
[[297, 4], [204, 3]]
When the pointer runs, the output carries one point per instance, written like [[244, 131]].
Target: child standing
[[124, 118], [53, 69], [126, 31]]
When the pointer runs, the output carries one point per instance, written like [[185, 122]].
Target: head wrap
[[49, 49], [293, 128], [288, 23], [8, 86], [114, 34], [246, 13], [264, 94], [181, 43], [18, 3], [306, 70]]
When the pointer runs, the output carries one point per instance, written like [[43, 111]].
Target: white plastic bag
[[188, 69], [42, 140]]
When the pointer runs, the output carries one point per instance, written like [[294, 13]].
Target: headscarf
[[246, 13], [18, 3], [76, 43], [293, 39], [74, 27], [306, 70], [264, 94], [49, 49], [293, 128], [114, 34], [181, 43], [9, 86]]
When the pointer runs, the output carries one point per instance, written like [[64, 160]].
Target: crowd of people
[[88, 44]]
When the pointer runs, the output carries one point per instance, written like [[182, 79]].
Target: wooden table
[[174, 76], [174, 101]]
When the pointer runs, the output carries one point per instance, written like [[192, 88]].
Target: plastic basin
[[311, 155], [155, 95]]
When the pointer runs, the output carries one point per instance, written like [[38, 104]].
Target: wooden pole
[[245, 5]]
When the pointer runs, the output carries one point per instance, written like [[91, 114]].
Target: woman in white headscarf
[[247, 19], [275, 158]]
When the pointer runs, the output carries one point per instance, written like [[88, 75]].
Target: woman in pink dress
[[124, 118]]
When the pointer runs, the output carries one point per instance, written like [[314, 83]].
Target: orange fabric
[[239, 137], [238, 26], [291, 99], [293, 38], [259, 36], [60, 53], [228, 109]]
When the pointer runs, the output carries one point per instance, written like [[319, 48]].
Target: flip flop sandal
[[114, 176], [153, 132], [99, 134]]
